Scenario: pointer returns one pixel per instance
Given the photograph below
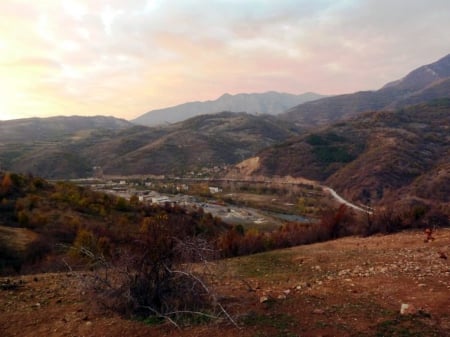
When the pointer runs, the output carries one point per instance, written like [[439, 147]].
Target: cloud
[[127, 57]]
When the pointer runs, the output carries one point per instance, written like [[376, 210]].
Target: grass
[[280, 323], [268, 265], [406, 326], [152, 320]]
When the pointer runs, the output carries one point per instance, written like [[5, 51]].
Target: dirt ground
[[347, 287]]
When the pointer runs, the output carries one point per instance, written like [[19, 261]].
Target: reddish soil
[[348, 287]]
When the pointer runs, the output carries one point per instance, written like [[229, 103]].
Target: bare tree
[[165, 273]]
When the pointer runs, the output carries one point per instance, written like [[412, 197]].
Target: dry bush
[[163, 274]]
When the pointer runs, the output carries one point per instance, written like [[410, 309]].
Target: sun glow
[[6, 103]]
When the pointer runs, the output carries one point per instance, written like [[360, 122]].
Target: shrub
[[154, 276]]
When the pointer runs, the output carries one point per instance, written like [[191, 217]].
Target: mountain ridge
[[395, 94], [71, 151], [270, 102], [374, 157]]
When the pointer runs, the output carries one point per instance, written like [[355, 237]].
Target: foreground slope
[[349, 287]]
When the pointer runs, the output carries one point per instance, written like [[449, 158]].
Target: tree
[[6, 184]]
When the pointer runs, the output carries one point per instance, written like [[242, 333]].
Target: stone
[[318, 311], [263, 299], [407, 309]]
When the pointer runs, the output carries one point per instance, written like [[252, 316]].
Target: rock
[[263, 299], [407, 309], [303, 285], [281, 297], [318, 311]]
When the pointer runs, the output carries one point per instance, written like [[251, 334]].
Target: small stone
[[281, 297], [407, 309], [263, 299], [422, 285], [318, 311]]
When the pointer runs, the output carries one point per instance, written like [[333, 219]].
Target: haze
[[124, 58]]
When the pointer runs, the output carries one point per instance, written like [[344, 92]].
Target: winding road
[[343, 201]]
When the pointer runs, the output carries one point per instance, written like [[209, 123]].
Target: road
[[343, 201]]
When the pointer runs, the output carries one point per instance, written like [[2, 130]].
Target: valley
[[327, 217], [285, 199], [262, 205]]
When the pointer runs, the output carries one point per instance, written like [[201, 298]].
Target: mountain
[[70, 147], [387, 156], [419, 86], [56, 128], [265, 103], [202, 141], [44, 145]]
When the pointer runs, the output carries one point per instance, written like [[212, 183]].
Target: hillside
[[265, 103], [419, 86], [203, 141], [56, 128], [42, 223], [380, 155], [350, 287], [42, 146]]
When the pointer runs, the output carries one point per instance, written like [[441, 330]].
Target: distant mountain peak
[[271, 103], [424, 75], [421, 85]]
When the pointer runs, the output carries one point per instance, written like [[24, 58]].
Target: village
[[190, 196]]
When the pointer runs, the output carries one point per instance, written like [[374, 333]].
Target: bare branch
[[157, 313]]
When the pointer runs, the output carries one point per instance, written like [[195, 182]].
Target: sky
[[123, 58]]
